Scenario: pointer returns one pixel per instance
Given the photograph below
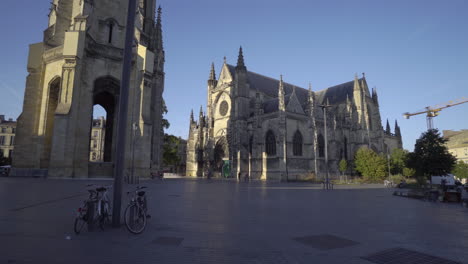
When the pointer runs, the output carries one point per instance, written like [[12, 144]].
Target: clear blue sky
[[414, 52]]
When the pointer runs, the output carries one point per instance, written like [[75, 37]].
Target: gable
[[294, 106], [225, 76]]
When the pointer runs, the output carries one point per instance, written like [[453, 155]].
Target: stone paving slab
[[217, 221]]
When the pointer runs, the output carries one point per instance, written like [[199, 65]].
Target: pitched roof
[[269, 86]]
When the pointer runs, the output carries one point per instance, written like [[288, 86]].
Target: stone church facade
[[79, 65], [271, 129]]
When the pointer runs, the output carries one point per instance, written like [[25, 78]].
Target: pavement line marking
[[45, 202]]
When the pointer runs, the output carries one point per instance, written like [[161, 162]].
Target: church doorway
[[220, 155]]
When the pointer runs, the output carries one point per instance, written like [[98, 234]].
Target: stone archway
[[106, 94], [220, 153], [52, 103]]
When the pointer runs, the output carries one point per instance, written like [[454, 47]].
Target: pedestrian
[[239, 176], [464, 196]]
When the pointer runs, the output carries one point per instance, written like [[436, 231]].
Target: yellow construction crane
[[433, 111]]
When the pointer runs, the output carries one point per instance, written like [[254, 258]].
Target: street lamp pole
[[123, 109], [324, 108]]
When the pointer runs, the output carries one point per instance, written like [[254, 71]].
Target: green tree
[[370, 165], [170, 149], [461, 170], [408, 172], [165, 122], [431, 156], [398, 159], [343, 166]]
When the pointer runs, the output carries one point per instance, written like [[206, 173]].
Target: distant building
[[457, 143], [7, 136], [98, 134]]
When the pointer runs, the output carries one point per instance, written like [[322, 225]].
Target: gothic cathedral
[[270, 129], [78, 65]]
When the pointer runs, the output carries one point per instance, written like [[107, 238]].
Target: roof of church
[[269, 86]]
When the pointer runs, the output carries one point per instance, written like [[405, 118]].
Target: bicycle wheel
[[81, 219], [135, 219], [79, 224]]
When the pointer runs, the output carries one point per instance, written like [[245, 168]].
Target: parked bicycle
[[95, 209], [136, 212]]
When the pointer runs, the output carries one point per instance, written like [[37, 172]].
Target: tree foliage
[[165, 122], [431, 156], [343, 166], [370, 165], [398, 159], [170, 149], [408, 172], [461, 170]]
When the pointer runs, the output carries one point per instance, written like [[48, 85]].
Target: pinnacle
[[212, 72], [240, 59]]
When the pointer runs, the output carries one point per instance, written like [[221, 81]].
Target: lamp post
[[123, 109], [134, 131], [324, 108]]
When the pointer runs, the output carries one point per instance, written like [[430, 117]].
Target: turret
[[241, 93]]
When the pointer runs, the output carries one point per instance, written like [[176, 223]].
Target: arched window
[[297, 144], [270, 143], [321, 146]]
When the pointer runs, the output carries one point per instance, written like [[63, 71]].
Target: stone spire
[[387, 129], [212, 79], [397, 129], [281, 103], [240, 61], [192, 120], [212, 72], [159, 40], [201, 117]]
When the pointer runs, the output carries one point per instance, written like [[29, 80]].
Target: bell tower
[[78, 65]]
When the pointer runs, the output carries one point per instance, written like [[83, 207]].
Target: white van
[[449, 179]]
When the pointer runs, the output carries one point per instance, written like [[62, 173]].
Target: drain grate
[[325, 242], [405, 256], [168, 241]]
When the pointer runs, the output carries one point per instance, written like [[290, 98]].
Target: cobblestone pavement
[[200, 221]]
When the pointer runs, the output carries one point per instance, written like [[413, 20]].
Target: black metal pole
[[123, 109], [326, 146]]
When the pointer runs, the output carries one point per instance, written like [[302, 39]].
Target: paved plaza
[[201, 221]]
